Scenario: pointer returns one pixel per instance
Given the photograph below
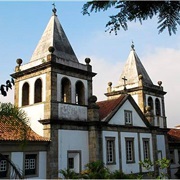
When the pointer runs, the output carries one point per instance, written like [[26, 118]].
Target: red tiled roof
[[12, 130], [174, 135], [106, 107]]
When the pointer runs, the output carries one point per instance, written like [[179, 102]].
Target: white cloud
[[164, 65]]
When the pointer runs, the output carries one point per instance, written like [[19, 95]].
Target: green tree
[[166, 11], [16, 119]]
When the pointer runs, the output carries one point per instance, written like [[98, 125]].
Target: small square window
[[128, 117], [30, 164]]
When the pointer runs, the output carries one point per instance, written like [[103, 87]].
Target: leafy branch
[[167, 12], [5, 87]]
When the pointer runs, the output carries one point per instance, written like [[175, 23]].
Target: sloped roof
[[174, 135], [132, 69], [12, 130], [108, 108], [55, 36]]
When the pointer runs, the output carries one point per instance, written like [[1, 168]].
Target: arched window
[[25, 94], [80, 96], [150, 103], [66, 90], [38, 91], [158, 107]]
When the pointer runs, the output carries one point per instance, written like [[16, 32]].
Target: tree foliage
[[167, 13]]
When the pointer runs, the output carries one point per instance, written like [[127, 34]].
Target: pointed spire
[[132, 69], [54, 36]]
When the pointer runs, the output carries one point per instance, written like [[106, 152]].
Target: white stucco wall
[[129, 168], [35, 113], [72, 140], [73, 81], [161, 145], [119, 119], [42, 164], [161, 150], [17, 158], [108, 134]]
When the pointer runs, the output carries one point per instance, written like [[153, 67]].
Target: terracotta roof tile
[[174, 135], [106, 107], [10, 132]]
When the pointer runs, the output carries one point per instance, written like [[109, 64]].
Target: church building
[[55, 90]]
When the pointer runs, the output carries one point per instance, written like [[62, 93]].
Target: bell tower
[[135, 80], [53, 86]]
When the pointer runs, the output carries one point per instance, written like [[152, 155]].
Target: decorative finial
[[132, 46], [54, 10]]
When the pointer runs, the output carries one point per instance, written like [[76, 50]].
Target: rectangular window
[[3, 166], [146, 149], [70, 163], [110, 149], [128, 117], [130, 150], [30, 164], [74, 160]]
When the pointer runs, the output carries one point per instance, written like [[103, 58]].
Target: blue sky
[[22, 24]]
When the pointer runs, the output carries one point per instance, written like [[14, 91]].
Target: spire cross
[[54, 9], [124, 78]]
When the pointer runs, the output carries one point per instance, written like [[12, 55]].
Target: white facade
[[119, 118], [75, 144]]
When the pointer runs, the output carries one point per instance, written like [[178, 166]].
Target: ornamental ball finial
[[19, 61], [159, 83], [109, 83], [51, 49], [87, 60]]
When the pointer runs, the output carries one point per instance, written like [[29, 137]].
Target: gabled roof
[[174, 135], [132, 69], [108, 108], [55, 36], [12, 130]]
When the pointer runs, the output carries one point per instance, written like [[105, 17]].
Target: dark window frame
[[25, 94], [132, 153], [110, 150], [29, 169], [38, 91], [128, 117], [146, 148], [4, 173], [65, 90]]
